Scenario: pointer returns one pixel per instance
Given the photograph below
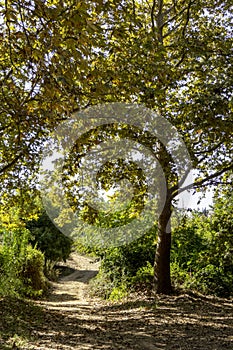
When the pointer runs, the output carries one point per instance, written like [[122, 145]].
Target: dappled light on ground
[[69, 319]]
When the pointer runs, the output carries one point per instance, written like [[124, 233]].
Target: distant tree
[[48, 238]]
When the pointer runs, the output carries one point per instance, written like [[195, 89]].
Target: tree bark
[[162, 273]]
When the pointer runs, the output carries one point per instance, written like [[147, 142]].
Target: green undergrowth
[[21, 266], [201, 257]]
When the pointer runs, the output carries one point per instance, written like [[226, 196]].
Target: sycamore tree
[[174, 57]]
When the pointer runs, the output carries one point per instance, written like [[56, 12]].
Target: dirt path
[[73, 288], [69, 319]]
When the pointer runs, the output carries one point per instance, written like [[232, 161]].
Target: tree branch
[[201, 182], [9, 165], [152, 16]]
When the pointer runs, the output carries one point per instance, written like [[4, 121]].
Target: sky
[[195, 201]]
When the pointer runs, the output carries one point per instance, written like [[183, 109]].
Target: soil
[[70, 319]]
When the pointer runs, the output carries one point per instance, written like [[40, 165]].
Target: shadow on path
[[69, 320], [174, 323]]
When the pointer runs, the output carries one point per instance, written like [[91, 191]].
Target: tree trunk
[[162, 275]]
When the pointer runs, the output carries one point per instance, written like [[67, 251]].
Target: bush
[[127, 266], [12, 256], [1, 260], [21, 266], [180, 276], [32, 272], [144, 277], [101, 286], [202, 253], [118, 293], [187, 244], [212, 280]]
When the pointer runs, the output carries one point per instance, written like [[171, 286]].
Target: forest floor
[[69, 319]]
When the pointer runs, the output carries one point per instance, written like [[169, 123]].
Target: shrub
[[212, 279], [201, 255], [21, 266], [202, 250], [12, 256], [187, 244], [144, 277], [101, 286], [126, 266], [118, 293], [32, 272]]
